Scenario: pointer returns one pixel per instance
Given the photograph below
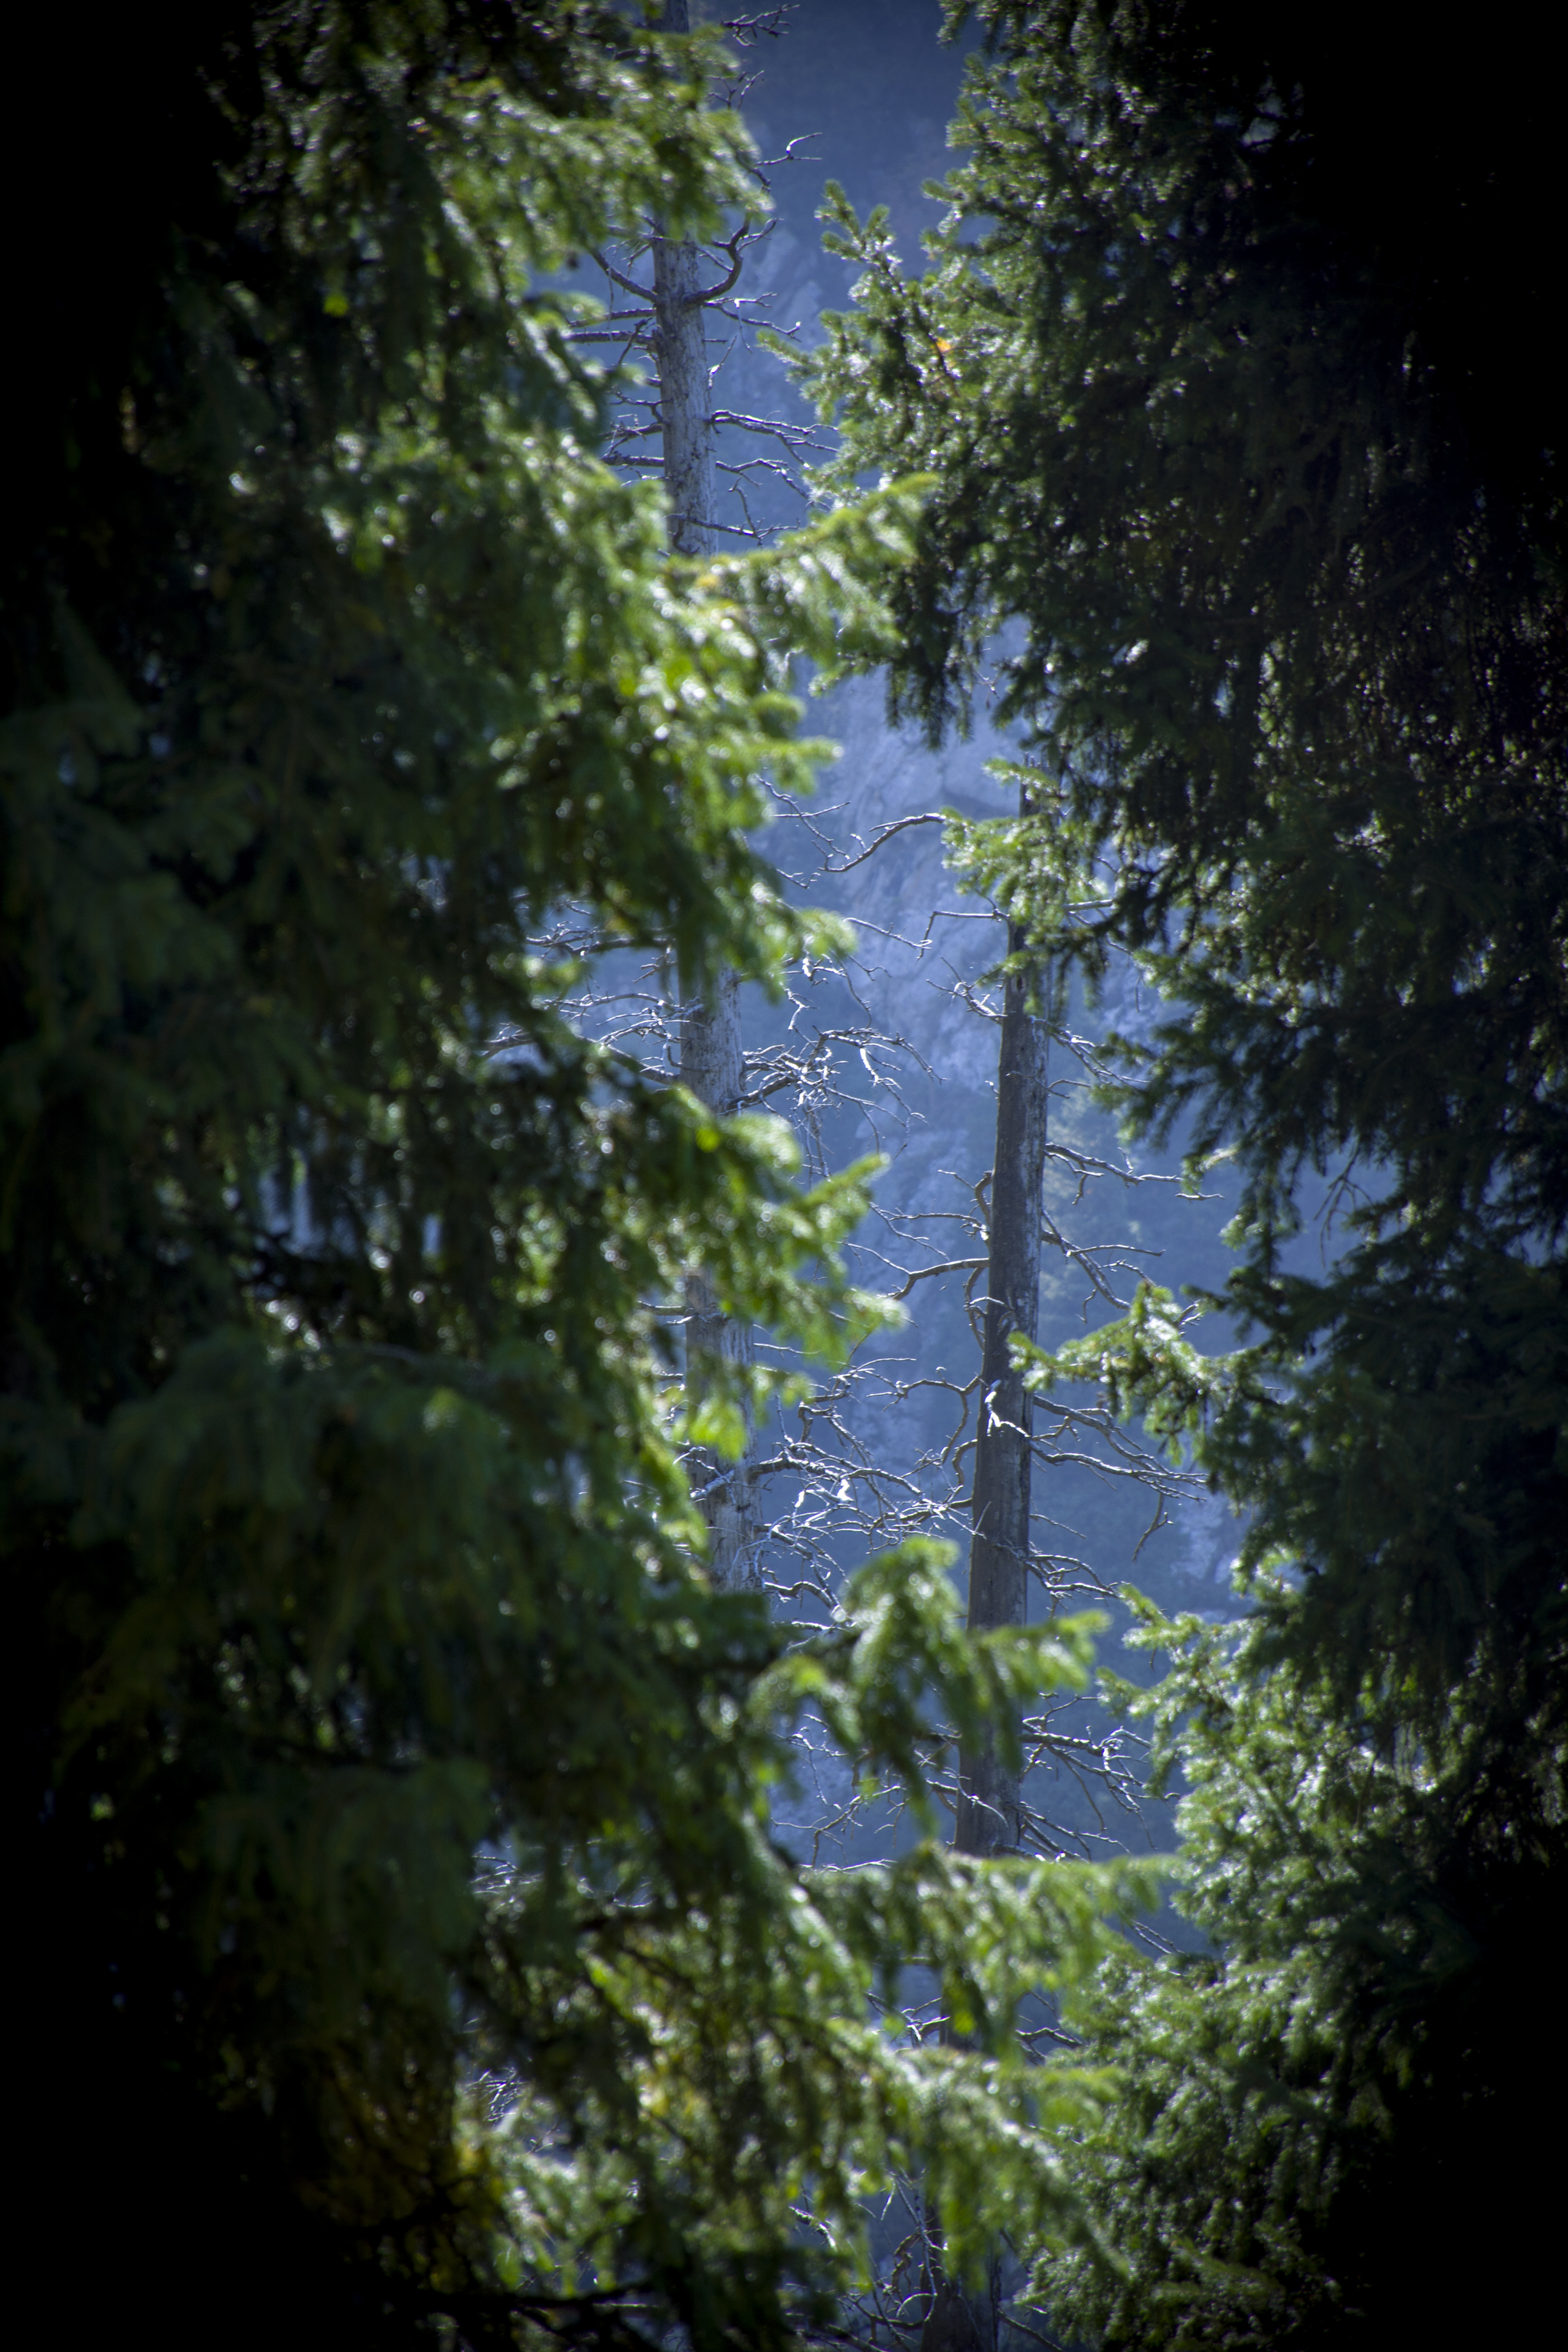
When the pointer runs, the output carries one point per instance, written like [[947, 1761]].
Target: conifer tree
[[1241, 448], [406, 1947], [710, 1047]]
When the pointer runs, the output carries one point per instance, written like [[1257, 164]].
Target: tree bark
[[989, 1805], [680, 348], [711, 1042]]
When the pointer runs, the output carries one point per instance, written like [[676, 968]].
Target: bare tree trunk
[[710, 1048], [989, 1806], [680, 346], [990, 1801]]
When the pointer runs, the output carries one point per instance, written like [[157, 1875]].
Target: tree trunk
[[680, 347], [710, 1046], [988, 1812], [990, 1798]]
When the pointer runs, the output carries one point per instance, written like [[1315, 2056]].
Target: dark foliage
[[1228, 370], [402, 1937]]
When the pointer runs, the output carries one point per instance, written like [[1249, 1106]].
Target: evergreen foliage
[[406, 1940], [1220, 435], [1317, 2141]]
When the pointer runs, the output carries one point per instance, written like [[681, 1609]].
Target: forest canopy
[[410, 1950]]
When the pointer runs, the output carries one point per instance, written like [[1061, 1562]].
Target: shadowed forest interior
[[784, 1173]]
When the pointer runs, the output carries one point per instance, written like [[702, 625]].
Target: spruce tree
[[710, 1045], [1227, 436], [406, 1944]]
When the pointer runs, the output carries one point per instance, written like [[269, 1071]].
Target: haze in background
[[874, 88]]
